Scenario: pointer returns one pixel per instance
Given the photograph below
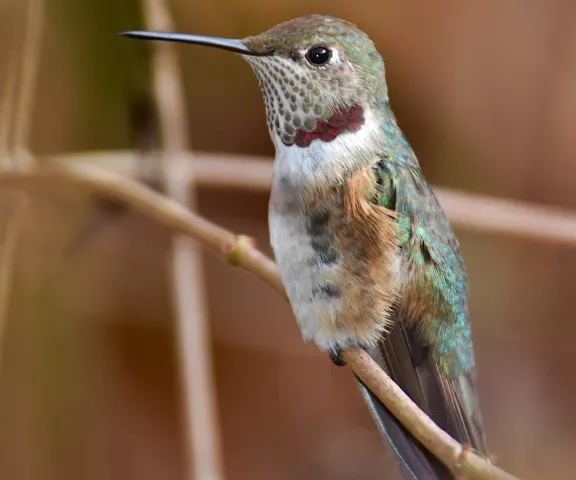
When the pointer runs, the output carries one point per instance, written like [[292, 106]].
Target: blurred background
[[90, 381]]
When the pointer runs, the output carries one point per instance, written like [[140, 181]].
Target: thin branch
[[30, 60], [479, 213], [241, 253]]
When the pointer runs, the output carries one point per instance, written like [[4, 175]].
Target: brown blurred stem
[[11, 216], [29, 64], [240, 252], [202, 429], [15, 115], [6, 112]]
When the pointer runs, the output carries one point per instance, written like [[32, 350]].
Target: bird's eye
[[318, 56]]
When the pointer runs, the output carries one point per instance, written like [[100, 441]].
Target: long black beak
[[230, 44]]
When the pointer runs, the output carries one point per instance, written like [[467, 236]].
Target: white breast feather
[[297, 169]]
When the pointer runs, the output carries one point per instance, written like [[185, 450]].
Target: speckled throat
[[294, 112]]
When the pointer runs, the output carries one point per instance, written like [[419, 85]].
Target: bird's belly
[[309, 265], [337, 256]]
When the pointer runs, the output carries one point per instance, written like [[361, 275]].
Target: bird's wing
[[428, 351]]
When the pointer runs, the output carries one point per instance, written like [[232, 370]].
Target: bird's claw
[[336, 358]]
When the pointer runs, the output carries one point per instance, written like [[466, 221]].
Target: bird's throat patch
[[342, 121]]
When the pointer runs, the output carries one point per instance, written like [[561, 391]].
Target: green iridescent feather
[[430, 252], [429, 352]]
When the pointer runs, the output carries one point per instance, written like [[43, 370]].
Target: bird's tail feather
[[414, 461]]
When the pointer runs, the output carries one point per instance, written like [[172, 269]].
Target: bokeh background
[[90, 382]]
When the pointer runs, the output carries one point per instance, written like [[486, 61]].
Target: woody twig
[[239, 251]]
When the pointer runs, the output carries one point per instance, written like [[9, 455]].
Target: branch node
[[465, 449], [235, 252]]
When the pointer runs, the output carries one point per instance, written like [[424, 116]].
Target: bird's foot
[[336, 358]]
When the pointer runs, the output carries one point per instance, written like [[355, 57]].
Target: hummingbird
[[363, 247]]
